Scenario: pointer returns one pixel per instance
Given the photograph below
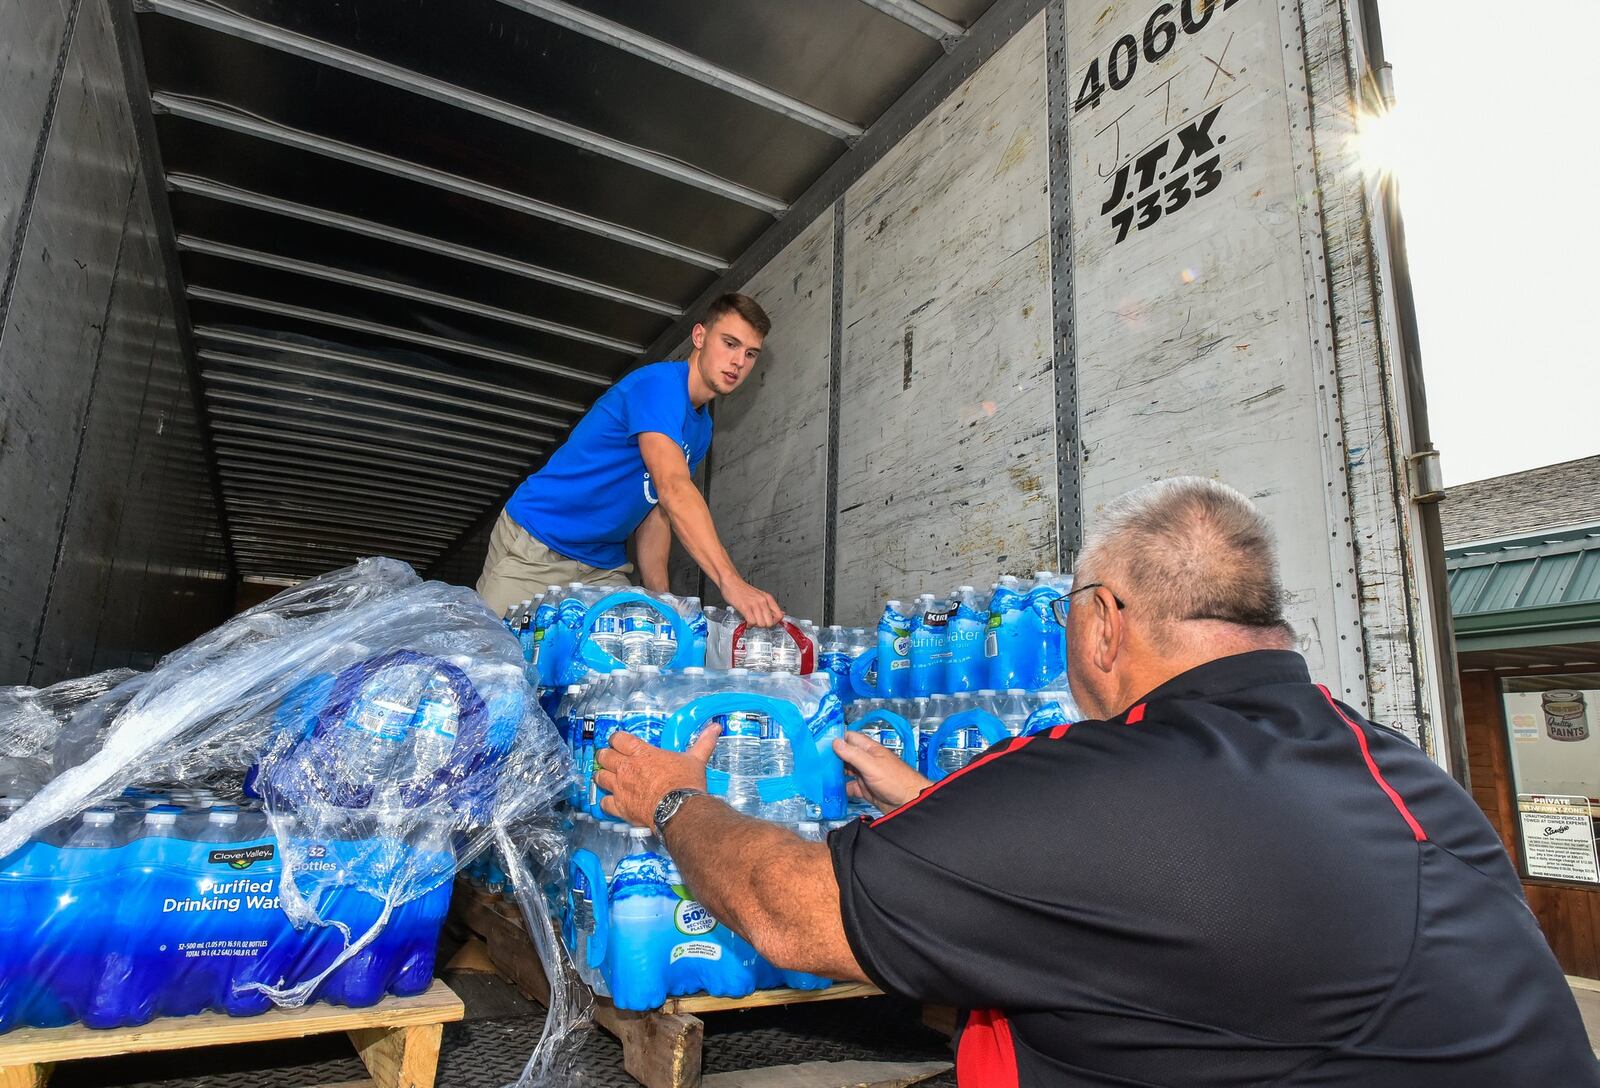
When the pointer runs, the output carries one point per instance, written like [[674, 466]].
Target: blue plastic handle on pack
[[901, 727], [864, 663], [991, 728], [601, 895], [817, 777], [598, 660], [310, 768]]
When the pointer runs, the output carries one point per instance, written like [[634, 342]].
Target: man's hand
[[758, 607], [877, 775], [639, 775]]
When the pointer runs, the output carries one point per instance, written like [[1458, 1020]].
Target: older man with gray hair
[[1221, 876]]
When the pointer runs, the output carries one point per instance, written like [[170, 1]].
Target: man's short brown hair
[[743, 305]]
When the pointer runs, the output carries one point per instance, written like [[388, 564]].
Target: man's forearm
[[691, 520], [767, 884], [652, 546]]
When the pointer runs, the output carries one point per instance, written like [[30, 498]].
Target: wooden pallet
[[661, 1048], [398, 1038]]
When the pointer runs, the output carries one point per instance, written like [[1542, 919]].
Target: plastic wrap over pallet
[[31, 723], [388, 729]]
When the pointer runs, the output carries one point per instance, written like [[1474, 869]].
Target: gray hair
[[1189, 548]]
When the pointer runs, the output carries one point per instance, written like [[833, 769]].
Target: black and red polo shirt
[[1239, 881]]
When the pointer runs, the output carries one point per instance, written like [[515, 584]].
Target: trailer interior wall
[[1210, 306], [110, 551]]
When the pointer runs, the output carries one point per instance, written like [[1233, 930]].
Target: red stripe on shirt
[[987, 1056], [1135, 716], [1017, 743], [1372, 766]]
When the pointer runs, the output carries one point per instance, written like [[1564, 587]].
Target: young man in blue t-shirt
[[625, 471]]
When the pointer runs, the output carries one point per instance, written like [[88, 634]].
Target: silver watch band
[[670, 804]]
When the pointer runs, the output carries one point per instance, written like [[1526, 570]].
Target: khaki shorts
[[519, 567]]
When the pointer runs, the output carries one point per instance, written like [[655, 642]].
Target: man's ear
[[1108, 630], [697, 336]]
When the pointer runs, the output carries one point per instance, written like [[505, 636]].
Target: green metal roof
[[1519, 587]]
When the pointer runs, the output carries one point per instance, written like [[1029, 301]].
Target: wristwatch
[[670, 804]]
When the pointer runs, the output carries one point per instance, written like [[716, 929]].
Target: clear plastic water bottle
[[810, 830], [884, 733], [1003, 647], [1053, 708], [965, 669], [642, 905], [777, 760], [663, 641], [758, 649], [1012, 708], [785, 650], [433, 730], [606, 632], [929, 646], [833, 658], [568, 720], [544, 617], [699, 627], [894, 651], [738, 754], [608, 708], [373, 730], [1047, 659], [855, 711], [643, 714], [940, 707], [522, 627], [636, 634]]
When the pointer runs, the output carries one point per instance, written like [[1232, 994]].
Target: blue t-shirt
[[594, 491]]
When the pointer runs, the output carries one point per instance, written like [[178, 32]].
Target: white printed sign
[[1558, 838]]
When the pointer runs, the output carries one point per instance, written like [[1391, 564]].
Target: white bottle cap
[[1044, 574], [693, 670], [987, 691], [99, 817], [638, 832], [650, 670], [892, 604], [161, 819], [224, 817], [966, 589]]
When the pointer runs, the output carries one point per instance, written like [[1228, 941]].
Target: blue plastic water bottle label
[[744, 723]]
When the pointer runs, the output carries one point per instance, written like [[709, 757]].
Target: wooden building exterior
[[1524, 561]]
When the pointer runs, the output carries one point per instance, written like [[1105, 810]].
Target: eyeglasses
[[1062, 604]]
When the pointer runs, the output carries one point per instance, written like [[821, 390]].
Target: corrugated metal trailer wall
[[110, 550], [1135, 243]]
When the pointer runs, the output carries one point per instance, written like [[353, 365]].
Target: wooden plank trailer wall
[[1135, 242]]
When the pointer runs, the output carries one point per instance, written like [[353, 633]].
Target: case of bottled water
[[386, 728], [579, 629], [966, 642]]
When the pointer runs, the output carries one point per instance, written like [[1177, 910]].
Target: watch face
[[670, 804]]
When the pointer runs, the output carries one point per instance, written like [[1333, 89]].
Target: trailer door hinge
[[1426, 478]]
